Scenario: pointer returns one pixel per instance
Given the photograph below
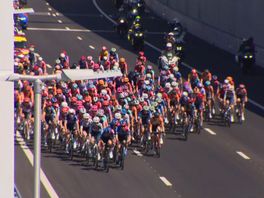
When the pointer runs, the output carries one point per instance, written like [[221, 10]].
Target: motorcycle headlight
[[136, 34], [245, 56], [179, 48], [250, 56], [134, 11], [122, 21], [139, 5], [140, 34]]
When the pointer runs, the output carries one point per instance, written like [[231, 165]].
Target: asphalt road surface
[[220, 162]]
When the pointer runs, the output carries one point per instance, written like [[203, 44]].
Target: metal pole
[[37, 137]]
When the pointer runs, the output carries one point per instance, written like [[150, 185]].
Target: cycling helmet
[[136, 102], [168, 45], [174, 84], [86, 116], [207, 83], [62, 55], [100, 112], [96, 119], [144, 96], [123, 112], [159, 100], [226, 81], [57, 61], [94, 108], [149, 67], [113, 50], [122, 60], [170, 34], [214, 77], [40, 58], [65, 109], [105, 103], [156, 114], [103, 92], [146, 82], [54, 100], [194, 71], [241, 86], [117, 116], [199, 85], [64, 104], [146, 108], [82, 110], [119, 108], [89, 58], [72, 111], [141, 53], [167, 85], [185, 93], [104, 48]]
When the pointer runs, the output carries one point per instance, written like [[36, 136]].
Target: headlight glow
[[245, 56], [250, 56], [140, 34]]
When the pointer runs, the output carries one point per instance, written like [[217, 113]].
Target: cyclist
[[209, 96], [157, 127], [241, 94], [230, 95]]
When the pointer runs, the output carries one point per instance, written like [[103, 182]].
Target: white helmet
[[145, 96], [40, 58], [170, 34], [146, 108], [168, 45], [226, 81], [57, 61], [171, 76], [103, 92], [72, 111], [176, 68], [167, 85], [118, 116], [174, 84], [96, 119], [86, 116], [62, 55], [147, 82], [185, 93], [64, 104]]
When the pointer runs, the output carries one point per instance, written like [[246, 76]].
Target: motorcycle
[[179, 49], [137, 39], [247, 61], [122, 27]]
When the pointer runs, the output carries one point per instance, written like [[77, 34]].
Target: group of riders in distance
[[99, 119]]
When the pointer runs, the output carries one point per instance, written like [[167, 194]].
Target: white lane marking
[[210, 131], [49, 9], [159, 50], [92, 47], [59, 21], [49, 13], [165, 181], [243, 155], [29, 155], [40, 13], [54, 15], [58, 14], [137, 153], [47, 3], [67, 28], [48, 66], [79, 38]]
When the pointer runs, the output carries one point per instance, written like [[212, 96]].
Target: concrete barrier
[[199, 19]]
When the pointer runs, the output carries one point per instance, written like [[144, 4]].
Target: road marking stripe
[[54, 15], [29, 155], [59, 21], [57, 13], [47, 3], [159, 50], [137, 153], [80, 38], [49, 13], [49, 9], [165, 181], [92, 47], [67, 28], [243, 155], [210, 131], [48, 66]]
